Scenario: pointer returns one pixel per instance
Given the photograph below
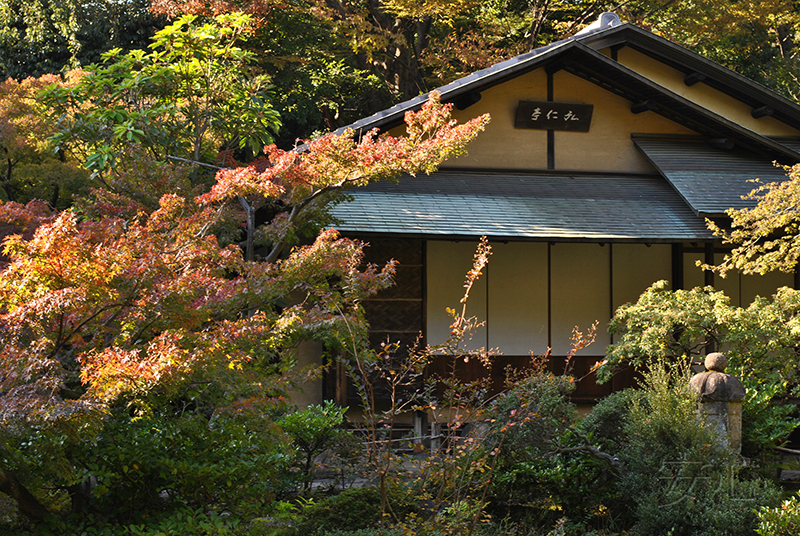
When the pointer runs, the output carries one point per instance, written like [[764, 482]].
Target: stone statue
[[720, 403]]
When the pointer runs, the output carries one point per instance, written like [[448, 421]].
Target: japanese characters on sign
[[554, 116]]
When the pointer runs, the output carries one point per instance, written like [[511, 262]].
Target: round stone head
[[716, 361]]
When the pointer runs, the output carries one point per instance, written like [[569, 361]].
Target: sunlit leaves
[[128, 305], [187, 98], [760, 340], [115, 371], [30, 169], [767, 236], [302, 181]]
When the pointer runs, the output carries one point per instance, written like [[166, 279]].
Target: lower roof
[[524, 206], [710, 180]]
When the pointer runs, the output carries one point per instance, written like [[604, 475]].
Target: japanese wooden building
[[605, 153]]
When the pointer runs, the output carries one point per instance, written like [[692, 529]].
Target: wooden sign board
[[554, 116]]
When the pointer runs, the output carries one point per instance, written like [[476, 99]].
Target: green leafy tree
[[756, 39], [764, 238], [48, 36], [413, 46], [336, 61], [675, 477], [190, 98], [313, 430], [31, 170]]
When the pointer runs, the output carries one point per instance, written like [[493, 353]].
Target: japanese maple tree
[[114, 309], [29, 167]]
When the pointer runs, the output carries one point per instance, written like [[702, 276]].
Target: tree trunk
[[26, 502], [6, 184], [786, 39]]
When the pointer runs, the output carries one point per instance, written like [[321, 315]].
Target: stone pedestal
[[720, 405]]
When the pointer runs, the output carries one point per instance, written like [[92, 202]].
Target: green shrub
[[178, 522], [605, 425], [678, 479], [152, 464], [781, 521], [313, 430], [765, 424], [355, 508], [379, 531], [528, 416], [532, 485]]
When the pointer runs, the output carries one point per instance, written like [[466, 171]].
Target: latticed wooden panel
[[406, 251], [408, 284], [394, 315]]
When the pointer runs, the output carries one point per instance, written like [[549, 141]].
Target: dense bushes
[[678, 477], [639, 462]]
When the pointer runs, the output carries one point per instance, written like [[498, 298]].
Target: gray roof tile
[[523, 206], [710, 180]]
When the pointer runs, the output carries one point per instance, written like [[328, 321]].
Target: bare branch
[[617, 466]]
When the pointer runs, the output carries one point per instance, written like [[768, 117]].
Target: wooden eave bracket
[[693, 78], [762, 111], [643, 106]]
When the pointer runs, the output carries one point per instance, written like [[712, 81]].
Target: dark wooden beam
[[677, 266], [762, 111], [551, 136], [708, 258], [721, 143], [554, 67], [693, 78], [643, 106]]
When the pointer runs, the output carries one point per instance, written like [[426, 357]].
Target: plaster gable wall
[[701, 94], [607, 147], [501, 146]]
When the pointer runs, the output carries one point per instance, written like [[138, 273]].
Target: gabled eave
[[568, 54], [477, 81], [684, 60], [585, 62]]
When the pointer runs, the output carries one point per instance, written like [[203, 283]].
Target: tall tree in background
[[331, 57], [30, 169], [390, 38], [756, 39], [192, 97], [45, 36], [335, 61]]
